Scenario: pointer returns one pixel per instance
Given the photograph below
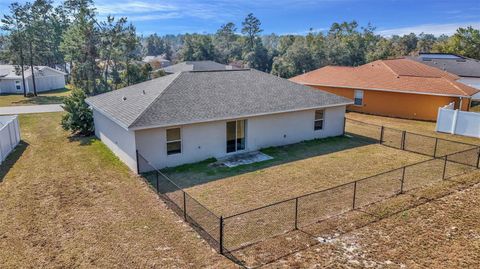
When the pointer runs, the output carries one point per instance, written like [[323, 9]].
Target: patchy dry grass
[[71, 203], [296, 170], [43, 98], [415, 126]]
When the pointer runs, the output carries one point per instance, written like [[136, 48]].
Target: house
[[191, 116], [196, 66], [46, 79], [400, 88], [159, 61], [467, 69]]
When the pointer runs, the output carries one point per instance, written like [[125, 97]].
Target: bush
[[79, 117]]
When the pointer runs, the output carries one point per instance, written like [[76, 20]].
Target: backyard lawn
[[294, 170], [69, 202], [43, 98]]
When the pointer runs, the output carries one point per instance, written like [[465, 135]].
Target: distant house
[[398, 88], [46, 79], [197, 66], [160, 60], [191, 116], [467, 69]]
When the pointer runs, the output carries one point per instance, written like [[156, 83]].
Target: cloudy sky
[[293, 16]]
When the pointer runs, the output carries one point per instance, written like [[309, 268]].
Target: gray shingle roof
[[460, 66], [196, 66], [10, 71], [192, 97]]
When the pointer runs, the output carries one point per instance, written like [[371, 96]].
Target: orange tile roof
[[400, 75]]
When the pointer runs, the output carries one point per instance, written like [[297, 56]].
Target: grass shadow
[[190, 175], [12, 159]]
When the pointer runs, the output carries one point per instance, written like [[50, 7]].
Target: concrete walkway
[[9, 110]]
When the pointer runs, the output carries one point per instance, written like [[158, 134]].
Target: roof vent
[[124, 98], [143, 92]]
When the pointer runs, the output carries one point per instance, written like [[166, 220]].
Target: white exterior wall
[[120, 141], [205, 140], [8, 86]]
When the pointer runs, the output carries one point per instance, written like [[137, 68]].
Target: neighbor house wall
[[120, 141], [8, 86], [205, 140], [401, 105]]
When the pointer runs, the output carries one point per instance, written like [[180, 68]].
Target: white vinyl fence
[[9, 135], [458, 122]]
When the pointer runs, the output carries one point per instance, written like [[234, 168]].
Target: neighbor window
[[174, 141], [17, 85], [358, 97], [318, 120]]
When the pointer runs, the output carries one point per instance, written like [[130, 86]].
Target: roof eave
[[236, 117], [379, 89]]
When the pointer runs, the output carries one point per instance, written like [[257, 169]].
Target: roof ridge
[[456, 86], [156, 98], [389, 68]]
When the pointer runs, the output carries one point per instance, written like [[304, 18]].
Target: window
[[236, 135], [358, 98], [318, 125], [17, 85], [174, 142]]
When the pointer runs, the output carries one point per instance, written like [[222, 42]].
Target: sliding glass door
[[236, 135]]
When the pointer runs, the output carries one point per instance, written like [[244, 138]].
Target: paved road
[[8, 110]]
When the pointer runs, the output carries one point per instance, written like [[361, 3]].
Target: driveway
[[8, 110]]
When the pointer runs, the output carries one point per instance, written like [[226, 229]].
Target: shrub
[[79, 117]]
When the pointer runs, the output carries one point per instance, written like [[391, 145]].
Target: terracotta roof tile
[[401, 75]]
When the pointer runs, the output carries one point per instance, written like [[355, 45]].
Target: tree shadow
[[12, 159], [82, 140], [40, 100]]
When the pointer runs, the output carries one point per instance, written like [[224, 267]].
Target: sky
[[292, 16]]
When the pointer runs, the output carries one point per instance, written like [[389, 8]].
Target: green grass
[[43, 98]]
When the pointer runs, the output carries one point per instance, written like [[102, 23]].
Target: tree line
[[105, 55]]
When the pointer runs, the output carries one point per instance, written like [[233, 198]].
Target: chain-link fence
[[449, 158], [192, 211]]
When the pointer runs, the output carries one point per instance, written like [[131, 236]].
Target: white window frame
[[173, 141], [362, 94], [315, 120]]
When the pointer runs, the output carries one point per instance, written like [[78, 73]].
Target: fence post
[[344, 124], [184, 206], [221, 235], [354, 193], [478, 159], [404, 134], [403, 179], [444, 167], [435, 149], [158, 183], [381, 134], [138, 162], [296, 213]]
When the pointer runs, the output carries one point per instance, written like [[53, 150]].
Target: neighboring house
[[197, 66], [191, 116], [467, 69], [398, 88], [159, 60], [46, 79]]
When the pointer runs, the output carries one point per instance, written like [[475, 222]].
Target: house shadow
[[12, 158], [82, 140], [190, 175]]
